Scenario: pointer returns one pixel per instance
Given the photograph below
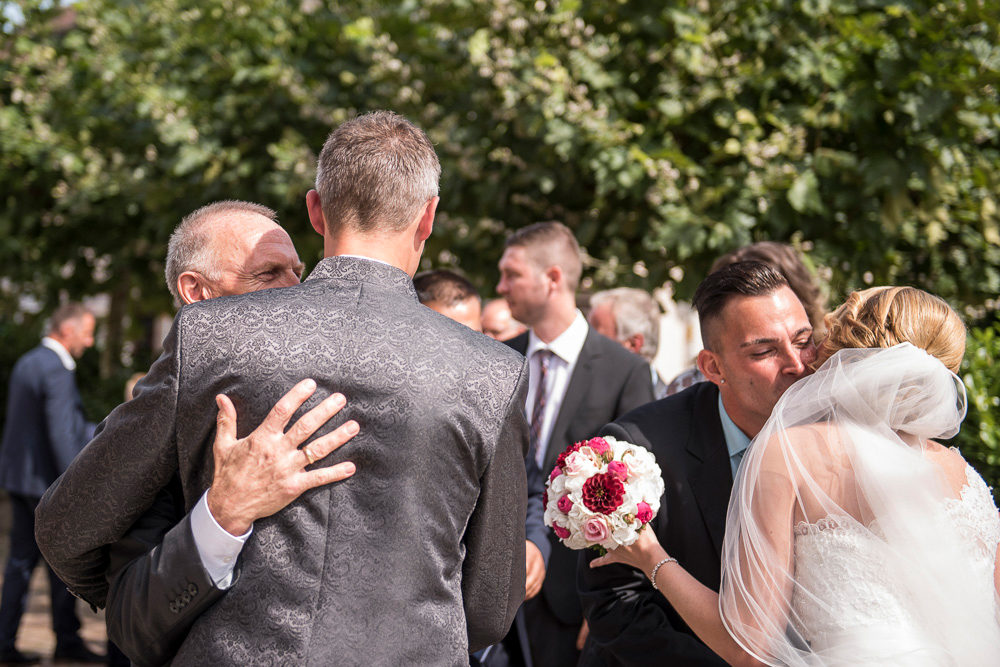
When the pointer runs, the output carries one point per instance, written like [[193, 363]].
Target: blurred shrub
[[979, 439], [663, 134]]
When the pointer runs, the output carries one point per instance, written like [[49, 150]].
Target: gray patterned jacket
[[416, 559]]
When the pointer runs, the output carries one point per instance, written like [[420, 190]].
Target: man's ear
[[315, 208], [425, 225], [193, 287], [708, 364], [634, 342], [555, 275]]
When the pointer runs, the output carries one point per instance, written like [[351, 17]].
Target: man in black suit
[[45, 430], [758, 342], [589, 380]]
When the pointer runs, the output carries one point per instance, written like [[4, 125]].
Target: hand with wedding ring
[[262, 473]]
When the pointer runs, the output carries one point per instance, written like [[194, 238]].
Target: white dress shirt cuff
[[216, 547]]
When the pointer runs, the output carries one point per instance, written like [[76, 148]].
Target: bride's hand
[[643, 554]]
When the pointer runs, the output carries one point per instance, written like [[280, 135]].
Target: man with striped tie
[[579, 381]]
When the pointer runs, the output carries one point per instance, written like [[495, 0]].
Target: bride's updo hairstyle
[[888, 316]]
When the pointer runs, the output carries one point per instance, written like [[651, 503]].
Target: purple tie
[[538, 413]]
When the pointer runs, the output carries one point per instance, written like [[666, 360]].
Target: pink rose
[[561, 533], [595, 529], [599, 445], [555, 473], [643, 512], [578, 463], [564, 504], [618, 469]]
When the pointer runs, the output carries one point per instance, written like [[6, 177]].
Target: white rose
[[639, 461], [579, 464], [557, 486]]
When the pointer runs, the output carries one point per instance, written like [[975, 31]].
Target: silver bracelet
[[652, 576]]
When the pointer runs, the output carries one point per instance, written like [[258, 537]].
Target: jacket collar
[[362, 269]]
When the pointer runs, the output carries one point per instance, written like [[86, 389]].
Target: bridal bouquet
[[601, 493]]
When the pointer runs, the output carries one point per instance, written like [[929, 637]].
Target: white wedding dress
[[845, 544]]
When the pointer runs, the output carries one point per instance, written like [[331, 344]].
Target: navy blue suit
[[44, 431]]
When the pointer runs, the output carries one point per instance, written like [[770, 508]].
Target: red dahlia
[[603, 493], [575, 447]]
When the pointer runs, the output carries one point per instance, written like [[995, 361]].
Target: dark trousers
[[24, 556], [553, 643]]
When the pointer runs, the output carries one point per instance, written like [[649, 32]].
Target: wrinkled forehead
[[253, 239]]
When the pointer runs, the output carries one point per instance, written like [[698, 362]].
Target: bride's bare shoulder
[[950, 461], [812, 444]]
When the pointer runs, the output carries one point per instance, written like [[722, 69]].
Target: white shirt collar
[[64, 356], [567, 345]]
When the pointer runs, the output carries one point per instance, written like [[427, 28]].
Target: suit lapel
[[709, 472], [579, 384]]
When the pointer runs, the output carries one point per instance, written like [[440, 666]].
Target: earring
[[722, 381]]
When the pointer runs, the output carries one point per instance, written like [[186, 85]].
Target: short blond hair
[[885, 316]]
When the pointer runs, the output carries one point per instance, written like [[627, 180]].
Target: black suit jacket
[[158, 587], [630, 623], [607, 382]]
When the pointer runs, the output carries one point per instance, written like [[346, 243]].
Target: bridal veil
[[846, 544]]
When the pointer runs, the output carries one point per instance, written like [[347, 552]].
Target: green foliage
[[979, 439], [865, 131]]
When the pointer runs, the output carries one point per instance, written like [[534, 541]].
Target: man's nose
[[793, 361]]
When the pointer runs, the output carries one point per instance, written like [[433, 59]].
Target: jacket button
[[192, 589], [185, 597], [173, 608]]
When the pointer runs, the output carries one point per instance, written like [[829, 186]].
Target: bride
[[853, 538]]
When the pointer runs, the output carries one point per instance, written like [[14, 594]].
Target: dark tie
[[538, 412]]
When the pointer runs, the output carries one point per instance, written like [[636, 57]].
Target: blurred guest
[[498, 323], [45, 430], [579, 381], [631, 317], [450, 294], [789, 263], [130, 385]]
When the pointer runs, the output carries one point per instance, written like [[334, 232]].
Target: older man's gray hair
[[376, 172], [635, 312], [191, 246]]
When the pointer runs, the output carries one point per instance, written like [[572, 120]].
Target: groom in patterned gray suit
[[416, 559]]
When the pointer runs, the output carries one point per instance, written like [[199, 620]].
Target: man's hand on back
[[262, 473]]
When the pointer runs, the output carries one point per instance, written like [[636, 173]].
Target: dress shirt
[[736, 440], [64, 356], [565, 349], [217, 548]]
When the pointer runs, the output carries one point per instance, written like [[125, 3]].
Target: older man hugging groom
[[416, 559]]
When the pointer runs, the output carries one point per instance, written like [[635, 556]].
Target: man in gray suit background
[[414, 560]]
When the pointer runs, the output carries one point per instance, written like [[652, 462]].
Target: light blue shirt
[[736, 440]]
